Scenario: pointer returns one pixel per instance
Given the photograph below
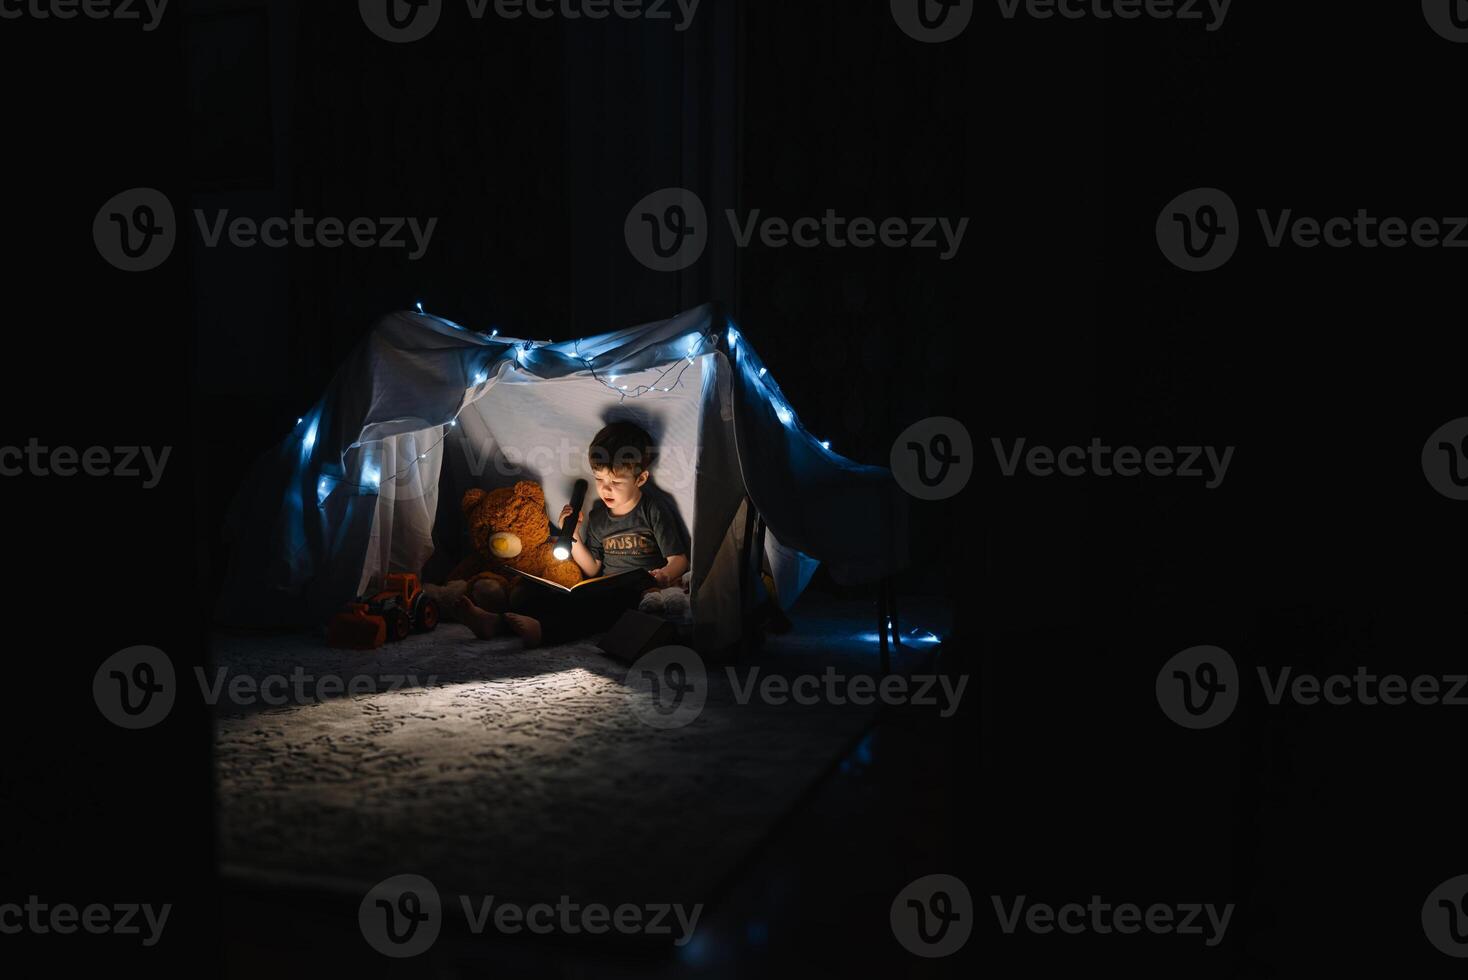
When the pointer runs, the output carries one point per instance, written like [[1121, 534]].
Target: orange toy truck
[[400, 608]]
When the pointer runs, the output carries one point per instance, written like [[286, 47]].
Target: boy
[[629, 526]]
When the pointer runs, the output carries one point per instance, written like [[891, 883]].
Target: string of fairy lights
[[522, 348], [637, 391]]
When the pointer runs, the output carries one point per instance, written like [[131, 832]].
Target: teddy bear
[[510, 533]]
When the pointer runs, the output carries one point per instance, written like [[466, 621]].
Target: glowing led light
[[323, 490], [419, 304], [453, 422], [300, 420], [762, 372], [494, 333], [783, 414], [561, 553], [481, 377], [825, 444], [911, 637], [309, 440], [733, 339], [371, 476]]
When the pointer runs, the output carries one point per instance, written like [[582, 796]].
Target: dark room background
[[530, 141], [1057, 321]]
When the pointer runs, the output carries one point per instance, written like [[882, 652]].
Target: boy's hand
[[580, 521], [671, 573]]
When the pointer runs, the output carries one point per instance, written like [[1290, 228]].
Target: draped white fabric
[[534, 429], [483, 411], [407, 468]]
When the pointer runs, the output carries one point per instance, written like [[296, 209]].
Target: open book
[[635, 578]]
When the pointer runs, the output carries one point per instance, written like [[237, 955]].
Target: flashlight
[[562, 550]]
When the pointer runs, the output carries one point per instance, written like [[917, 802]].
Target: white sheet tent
[[370, 480]]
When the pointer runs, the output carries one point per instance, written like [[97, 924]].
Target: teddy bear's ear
[[472, 499]]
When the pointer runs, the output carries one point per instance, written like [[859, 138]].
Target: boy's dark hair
[[623, 448]]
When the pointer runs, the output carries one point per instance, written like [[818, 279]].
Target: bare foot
[[482, 623], [526, 628]]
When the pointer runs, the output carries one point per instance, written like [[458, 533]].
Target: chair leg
[[892, 615], [882, 626], [746, 599]]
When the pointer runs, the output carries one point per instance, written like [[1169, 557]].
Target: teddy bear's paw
[[447, 594], [489, 594]]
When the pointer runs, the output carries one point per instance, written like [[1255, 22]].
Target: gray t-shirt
[[645, 537]]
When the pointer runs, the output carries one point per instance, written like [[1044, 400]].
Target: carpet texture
[[490, 769]]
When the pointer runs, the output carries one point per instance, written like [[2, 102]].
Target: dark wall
[[1326, 549], [465, 126], [97, 359], [647, 107], [529, 142], [843, 112]]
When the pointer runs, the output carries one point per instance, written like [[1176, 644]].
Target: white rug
[[525, 774]]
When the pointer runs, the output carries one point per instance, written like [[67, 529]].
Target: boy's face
[[619, 490]]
